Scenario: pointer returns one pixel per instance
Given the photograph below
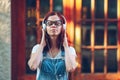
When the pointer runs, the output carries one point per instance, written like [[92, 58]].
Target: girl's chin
[[54, 34]]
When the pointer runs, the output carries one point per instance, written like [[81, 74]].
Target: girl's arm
[[70, 56], [36, 57]]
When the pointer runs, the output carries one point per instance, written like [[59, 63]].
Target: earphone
[[44, 25], [65, 24]]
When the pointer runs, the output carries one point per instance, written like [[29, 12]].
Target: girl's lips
[[53, 30]]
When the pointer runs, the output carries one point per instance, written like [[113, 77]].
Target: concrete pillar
[[5, 40]]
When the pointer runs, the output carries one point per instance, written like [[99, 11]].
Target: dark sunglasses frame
[[56, 23]]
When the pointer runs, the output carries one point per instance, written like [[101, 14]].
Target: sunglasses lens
[[57, 23], [49, 23]]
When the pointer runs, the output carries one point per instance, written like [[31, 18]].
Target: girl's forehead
[[53, 18]]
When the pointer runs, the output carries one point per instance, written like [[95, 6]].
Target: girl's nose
[[53, 25]]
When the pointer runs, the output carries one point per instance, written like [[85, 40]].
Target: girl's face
[[54, 25]]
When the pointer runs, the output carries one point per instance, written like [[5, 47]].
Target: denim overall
[[53, 69]]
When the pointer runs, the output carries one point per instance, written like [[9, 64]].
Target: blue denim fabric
[[53, 69]]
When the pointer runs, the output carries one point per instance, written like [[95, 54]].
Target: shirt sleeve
[[34, 49], [72, 50]]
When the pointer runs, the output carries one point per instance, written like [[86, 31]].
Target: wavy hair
[[60, 37]]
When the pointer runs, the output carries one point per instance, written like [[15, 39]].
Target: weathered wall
[[5, 40]]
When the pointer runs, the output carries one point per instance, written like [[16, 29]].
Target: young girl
[[53, 57]]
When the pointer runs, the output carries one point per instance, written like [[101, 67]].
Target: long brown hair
[[60, 38]]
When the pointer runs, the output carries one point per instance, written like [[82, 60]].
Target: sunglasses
[[56, 23]]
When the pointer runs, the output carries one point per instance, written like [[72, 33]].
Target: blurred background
[[93, 27], [5, 40]]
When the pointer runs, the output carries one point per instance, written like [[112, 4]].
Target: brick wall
[[5, 40]]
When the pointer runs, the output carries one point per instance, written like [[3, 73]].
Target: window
[[99, 36]]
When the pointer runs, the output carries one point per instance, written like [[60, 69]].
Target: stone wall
[[5, 40]]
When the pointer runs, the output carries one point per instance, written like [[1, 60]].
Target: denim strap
[[62, 53]]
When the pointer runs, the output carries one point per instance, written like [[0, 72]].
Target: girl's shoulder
[[35, 47], [72, 50]]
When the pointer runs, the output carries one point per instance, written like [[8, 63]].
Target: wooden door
[[26, 18]]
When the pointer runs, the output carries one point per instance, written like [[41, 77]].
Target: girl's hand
[[43, 43]]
